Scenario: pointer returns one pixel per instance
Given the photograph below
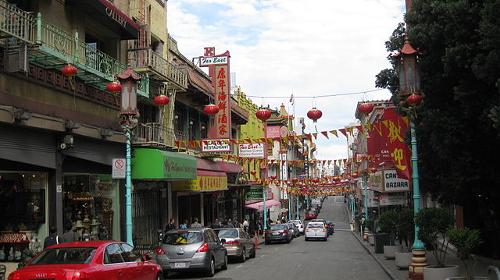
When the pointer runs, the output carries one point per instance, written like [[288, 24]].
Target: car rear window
[[228, 233], [315, 225], [76, 255], [183, 237], [278, 227]]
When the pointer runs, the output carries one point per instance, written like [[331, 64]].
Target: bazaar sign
[[393, 183], [251, 150], [215, 146]]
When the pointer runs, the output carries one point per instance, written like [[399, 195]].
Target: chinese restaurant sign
[[202, 184], [213, 60], [251, 150], [222, 99], [214, 146]]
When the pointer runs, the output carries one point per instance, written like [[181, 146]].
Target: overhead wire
[[317, 96]]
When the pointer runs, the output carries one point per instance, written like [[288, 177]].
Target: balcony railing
[[147, 58], [16, 22], [155, 134]]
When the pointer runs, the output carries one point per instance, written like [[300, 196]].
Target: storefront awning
[[110, 16], [206, 181], [259, 205], [153, 164], [226, 167]]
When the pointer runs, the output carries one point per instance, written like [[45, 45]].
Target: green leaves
[[465, 240], [433, 225]]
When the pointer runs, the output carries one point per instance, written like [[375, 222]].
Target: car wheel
[[165, 275], [211, 268], [307, 239], [243, 256], [224, 266]]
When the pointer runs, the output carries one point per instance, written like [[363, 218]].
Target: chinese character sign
[[222, 99], [394, 130]]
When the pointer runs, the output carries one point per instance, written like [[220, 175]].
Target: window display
[[88, 201]]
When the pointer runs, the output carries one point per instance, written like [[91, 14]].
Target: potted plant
[[433, 225], [465, 241], [388, 223], [405, 227]]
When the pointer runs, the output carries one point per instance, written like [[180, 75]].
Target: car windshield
[[78, 255], [278, 227], [228, 233], [183, 237], [315, 225]]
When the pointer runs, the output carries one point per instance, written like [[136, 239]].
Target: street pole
[[365, 185], [128, 190], [264, 209]]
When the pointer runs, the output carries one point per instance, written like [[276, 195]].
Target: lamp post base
[[416, 268]]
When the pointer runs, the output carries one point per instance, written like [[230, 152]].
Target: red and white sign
[[118, 168], [251, 150], [222, 99], [273, 132], [215, 146]]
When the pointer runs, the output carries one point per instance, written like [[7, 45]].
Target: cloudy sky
[[308, 48]]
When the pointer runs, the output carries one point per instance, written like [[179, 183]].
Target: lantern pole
[[129, 119]]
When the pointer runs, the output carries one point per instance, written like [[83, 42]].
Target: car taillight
[[159, 251], [203, 248], [80, 276], [285, 231], [234, 242]]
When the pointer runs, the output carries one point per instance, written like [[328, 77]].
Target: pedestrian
[[245, 225], [216, 224], [229, 223], [52, 239], [170, 225], [196, 224], [70, 235], [184, 225]]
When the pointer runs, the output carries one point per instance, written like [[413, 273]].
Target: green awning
[[153, 164]]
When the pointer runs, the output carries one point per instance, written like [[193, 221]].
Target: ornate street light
[[129, 119], [409, 85]]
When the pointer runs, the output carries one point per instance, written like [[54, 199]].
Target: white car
[[299, 224], [316, 230]]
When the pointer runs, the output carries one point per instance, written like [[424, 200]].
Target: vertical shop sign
[[395, 129], [222, 99]]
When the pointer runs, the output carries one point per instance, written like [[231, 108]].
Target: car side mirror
[[223, 240], [145, 258]]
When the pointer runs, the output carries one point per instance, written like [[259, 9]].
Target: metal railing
[[155, 134], [148, 58], [16, 22]]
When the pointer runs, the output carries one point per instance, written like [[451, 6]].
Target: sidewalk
[[480, 269]]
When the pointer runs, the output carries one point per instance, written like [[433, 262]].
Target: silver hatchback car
[[195, 249], [238, 243]]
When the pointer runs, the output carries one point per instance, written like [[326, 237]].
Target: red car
[[311, 215], [107, 260]]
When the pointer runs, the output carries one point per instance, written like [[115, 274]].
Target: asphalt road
[[341, 257]]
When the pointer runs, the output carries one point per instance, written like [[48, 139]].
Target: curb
[[384, 268]]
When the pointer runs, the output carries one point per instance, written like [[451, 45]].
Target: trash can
[[381, 239]]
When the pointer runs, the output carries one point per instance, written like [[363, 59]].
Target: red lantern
[[366, 108], [414, 99], [69, 70], [161, 100], [114, 87], [314, 114], [211, 109], [263, 114], [355, 174]]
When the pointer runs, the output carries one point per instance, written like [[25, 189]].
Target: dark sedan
[[279, 233]]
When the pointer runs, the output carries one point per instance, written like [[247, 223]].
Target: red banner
[[395, 128], [222, 99], [377, 146]]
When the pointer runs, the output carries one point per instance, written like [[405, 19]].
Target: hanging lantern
[[314, 114], [414, 99], [211, 109], [372, 169], [69, 70], [355, 174], [263, 114], [114, 87], [161, 100], [366, 108]]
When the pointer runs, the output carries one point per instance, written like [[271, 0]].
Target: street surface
[[341, 257]]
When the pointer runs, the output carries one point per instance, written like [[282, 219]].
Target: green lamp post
[[409, 85]]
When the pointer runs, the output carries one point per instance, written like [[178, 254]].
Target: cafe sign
[[392, 183], [215, 146]]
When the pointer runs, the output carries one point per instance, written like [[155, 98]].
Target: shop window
[[22, 201], [88, 201]]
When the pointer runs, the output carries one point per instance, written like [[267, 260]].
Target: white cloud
[[308, 47]]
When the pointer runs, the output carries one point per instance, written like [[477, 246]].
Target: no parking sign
[[118, 171]]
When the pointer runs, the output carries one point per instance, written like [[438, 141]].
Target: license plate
[[179, 265], [275, 233]]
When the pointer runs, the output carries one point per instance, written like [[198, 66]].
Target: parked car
[[294, 229], [278, 232], [319, 221], [330, 226], [316, 230], [89, 260], [299, 225], [194, 249], [311, 215], [238, 243]]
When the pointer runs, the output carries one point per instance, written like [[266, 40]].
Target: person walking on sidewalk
[[170, 225], [195, 224]]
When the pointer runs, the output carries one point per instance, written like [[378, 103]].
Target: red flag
[[343, 131]]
